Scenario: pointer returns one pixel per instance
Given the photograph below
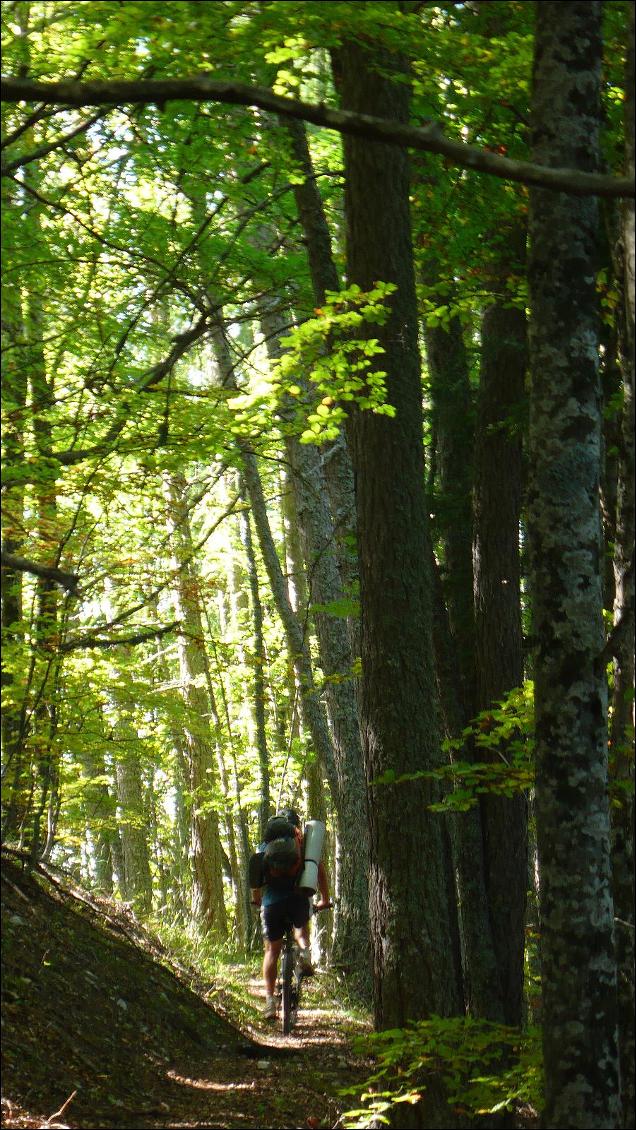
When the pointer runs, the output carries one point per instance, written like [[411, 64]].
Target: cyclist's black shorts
[[274, 917]]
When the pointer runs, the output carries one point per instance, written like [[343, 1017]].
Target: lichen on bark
[[579, 971]]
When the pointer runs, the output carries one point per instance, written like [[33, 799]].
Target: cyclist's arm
[[256, 894]]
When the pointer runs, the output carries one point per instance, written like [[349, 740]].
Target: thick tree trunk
[[132, 821], [498, 636], [453, 428], [414, 973], [450, 486], [578, 959], [622, 727]]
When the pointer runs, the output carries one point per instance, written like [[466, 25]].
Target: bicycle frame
[[291, 976], [289, 980]]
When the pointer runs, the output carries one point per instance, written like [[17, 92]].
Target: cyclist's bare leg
[[302, 937], [270, 964]]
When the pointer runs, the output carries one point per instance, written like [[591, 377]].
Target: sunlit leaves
[[484, 1067], [502, 763]]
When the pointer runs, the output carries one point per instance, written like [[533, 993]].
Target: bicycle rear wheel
[[289, 993]]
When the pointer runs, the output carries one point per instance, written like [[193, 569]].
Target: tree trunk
[[258, 689], [351, 943], [312, 710], [335, 458], [316, 806], [181, 884], [498, 636], [16, 781], [578, 960], [622, 727], [234, 817], [453, 429], [47, 612], [450, 487], [99, 816], [208, 905], [136, 883], [132, 822], [414, 972]]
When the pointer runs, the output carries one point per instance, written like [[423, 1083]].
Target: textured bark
[[578, 960], [453, 431], [137, 883], [450, 483], [414, 973], [498, 636], [611, 382], [622, 728]]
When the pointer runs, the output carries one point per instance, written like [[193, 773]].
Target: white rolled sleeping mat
[[314, 839]]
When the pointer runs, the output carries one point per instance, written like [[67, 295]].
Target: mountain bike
[[291, 975]]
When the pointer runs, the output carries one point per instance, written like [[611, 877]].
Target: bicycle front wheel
[[288, 994]]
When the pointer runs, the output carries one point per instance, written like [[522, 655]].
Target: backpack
[[277, 827], [283, 855]]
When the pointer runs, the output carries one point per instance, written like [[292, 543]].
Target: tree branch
[[43, 150], [430, 138], [623, 631], [68, 581], [116, 641]]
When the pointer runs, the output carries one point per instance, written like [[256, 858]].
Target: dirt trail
[[285, 1081], [93, 1009]]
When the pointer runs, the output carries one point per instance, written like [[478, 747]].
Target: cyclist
[[279, 901]]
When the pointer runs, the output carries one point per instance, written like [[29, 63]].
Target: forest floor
[[102, 1028]]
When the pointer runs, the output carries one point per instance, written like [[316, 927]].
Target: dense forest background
[[318, 488]]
